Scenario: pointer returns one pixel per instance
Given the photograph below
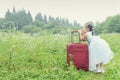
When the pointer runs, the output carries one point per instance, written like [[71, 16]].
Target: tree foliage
[[110, 25], [22, 20]]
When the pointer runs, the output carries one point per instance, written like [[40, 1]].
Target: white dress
[[99, 51]]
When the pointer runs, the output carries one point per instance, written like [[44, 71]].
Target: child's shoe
[[102, 70], [98, 70]]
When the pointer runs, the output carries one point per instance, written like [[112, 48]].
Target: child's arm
[[83, 36]]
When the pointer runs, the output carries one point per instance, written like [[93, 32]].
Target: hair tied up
[[90, 27]]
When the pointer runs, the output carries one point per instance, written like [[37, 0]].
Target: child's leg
[[97, 68], [102, 67]]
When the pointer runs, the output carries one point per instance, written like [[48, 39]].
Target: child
[[99, 51]]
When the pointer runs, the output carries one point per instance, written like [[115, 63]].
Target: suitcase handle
[[72, 34]]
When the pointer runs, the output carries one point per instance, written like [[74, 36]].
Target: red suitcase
[[78, 54]]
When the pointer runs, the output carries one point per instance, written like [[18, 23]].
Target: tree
[[114, 24], [99, 28], [51, 19], [20, 18], [45, 18], [8, 15], [110, 25], [39, 17], [8, 25], [14, 11], [29, 17], [31, 29], [39, 24], [2, 21], [76, 24]]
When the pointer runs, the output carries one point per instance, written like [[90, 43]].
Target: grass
[[24, 57]]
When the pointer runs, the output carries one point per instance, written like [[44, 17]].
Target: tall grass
[[24, 57]]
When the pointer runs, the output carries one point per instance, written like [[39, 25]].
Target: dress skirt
[[99, 51]]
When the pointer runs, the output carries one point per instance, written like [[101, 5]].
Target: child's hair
[[90, 27]]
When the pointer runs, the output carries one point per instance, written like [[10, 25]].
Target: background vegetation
[[23, 21], [36, 49], [24, 57]]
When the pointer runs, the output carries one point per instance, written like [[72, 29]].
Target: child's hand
[[79, 31]]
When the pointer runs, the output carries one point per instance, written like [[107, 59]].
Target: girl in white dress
[[99, 51]]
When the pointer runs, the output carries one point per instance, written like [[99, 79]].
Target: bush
[[31, 29]]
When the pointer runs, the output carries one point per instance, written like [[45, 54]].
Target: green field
[[24, 57]]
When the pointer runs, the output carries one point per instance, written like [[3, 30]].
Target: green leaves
[[24, 57], [110, 25]]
